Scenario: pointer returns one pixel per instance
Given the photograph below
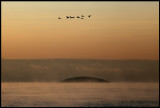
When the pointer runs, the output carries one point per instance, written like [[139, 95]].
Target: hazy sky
[[116, 30]]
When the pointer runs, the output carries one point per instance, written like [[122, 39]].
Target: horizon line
[[69, 58]]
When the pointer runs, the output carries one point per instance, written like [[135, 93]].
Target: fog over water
[[43, 70], [80, 94], [36, 83]]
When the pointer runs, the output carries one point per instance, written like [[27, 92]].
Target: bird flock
[[78, 17]]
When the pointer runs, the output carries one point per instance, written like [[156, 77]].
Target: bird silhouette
[[71, 17], [78, 17]]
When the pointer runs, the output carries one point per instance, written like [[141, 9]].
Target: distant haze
[[59, 69]]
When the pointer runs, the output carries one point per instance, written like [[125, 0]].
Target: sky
[[116, 30]]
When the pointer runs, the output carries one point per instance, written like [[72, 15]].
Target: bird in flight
[[78, 17], [67, 17], [71, 17]]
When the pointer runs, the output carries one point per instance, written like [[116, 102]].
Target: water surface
[[79, 94]]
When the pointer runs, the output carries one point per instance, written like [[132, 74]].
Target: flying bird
[[89, 16], [78, 17], [71, 17]]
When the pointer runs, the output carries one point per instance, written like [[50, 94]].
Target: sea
[[56, 94]]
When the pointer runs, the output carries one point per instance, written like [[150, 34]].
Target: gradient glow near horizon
[[116, 30]]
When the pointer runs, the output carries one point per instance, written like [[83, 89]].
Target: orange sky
[[116, 30]]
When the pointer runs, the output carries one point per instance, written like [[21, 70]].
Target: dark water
[[80, 94], [60, 69]]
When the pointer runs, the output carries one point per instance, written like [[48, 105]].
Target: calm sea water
[[79, 94]]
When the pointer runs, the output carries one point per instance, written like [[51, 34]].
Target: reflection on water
[[80, 94]]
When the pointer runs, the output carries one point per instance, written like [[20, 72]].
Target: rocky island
[[84, 79]]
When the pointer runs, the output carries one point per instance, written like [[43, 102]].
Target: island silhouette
[[84, 79]]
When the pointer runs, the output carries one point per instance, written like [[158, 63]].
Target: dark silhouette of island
[[84, 79]]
